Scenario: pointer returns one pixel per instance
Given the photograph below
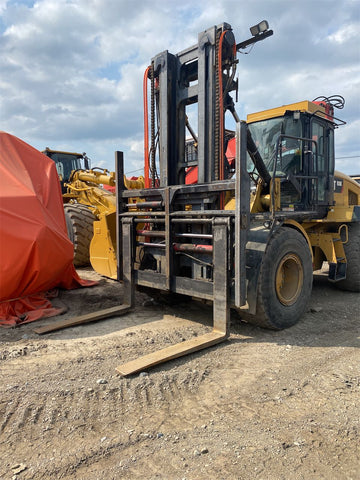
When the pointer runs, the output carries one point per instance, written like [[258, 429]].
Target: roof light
[[259, 28]]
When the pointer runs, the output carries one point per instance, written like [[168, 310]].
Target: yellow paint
[[304, 106], [301, 229]]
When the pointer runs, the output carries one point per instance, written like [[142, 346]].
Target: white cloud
[[3, 5], [346, 33], [137, 146]]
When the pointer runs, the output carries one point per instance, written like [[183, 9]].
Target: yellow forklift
[[244, 232]]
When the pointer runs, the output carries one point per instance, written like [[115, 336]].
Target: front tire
[[79, 223], [285, 281]]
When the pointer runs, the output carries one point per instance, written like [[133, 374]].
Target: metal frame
[[228, 228], [180, 216]]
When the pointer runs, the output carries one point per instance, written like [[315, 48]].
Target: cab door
[[322, 164]]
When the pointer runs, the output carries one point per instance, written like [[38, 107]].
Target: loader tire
[[352, 252], [285, 281], [79, 223]]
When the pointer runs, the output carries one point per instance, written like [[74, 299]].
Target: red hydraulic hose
[[221, 106], [146, 130]]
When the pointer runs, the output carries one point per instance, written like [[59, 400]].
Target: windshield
[[265, 135], [65, 163]]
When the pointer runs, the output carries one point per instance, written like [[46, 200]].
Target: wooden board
[[89, 317], [169, 353]]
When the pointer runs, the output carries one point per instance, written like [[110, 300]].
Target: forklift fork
[[221, 309]]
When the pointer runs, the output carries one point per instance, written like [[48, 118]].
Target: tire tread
[[79, 222]]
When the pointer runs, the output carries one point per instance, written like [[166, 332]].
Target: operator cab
[[66, 162], [296, 143]]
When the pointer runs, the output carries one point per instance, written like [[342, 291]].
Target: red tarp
[[35, 252]]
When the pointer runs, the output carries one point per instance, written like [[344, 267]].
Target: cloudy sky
[[71, 70]]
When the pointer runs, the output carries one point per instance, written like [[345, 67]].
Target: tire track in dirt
[[71, 416], [50, 408], [9, 411]]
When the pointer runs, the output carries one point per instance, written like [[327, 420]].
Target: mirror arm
[[257, 38]]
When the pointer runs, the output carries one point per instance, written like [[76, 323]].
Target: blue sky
[[72, 70]]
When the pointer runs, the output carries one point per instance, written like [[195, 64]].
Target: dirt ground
[[263, 405]]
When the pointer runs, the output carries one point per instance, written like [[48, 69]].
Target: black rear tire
[[352, 252], [285, 281], [79, 223]]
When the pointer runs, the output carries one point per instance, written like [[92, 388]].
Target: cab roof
[[304, 106], [49, 150]]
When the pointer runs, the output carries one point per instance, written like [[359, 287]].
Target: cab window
[[266, 134], [319, 156]]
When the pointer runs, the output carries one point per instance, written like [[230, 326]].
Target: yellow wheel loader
[[90, 212], [90, 207]]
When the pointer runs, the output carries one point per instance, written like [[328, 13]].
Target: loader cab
[[66, 162], [296, 143]]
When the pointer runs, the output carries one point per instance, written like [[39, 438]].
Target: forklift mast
[[192, 76], [178, 238]]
